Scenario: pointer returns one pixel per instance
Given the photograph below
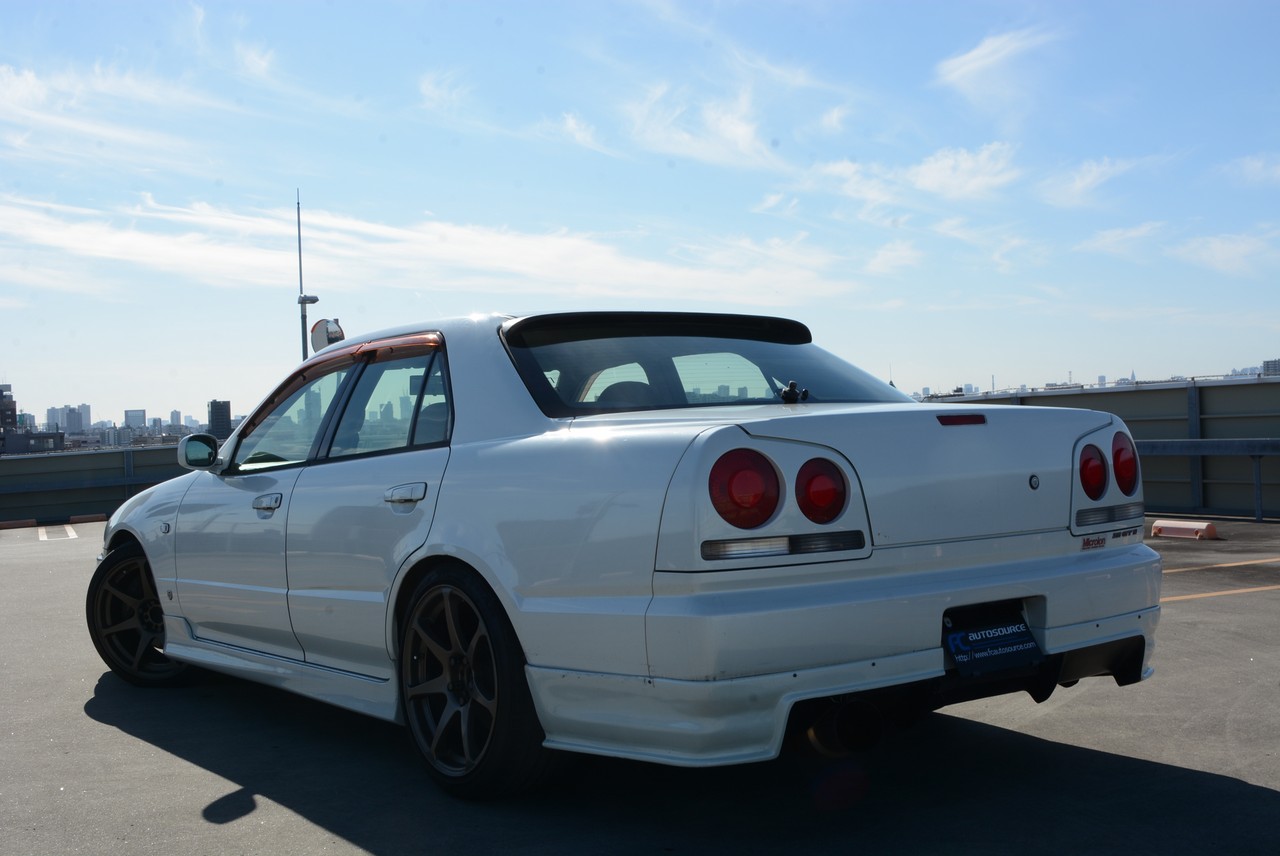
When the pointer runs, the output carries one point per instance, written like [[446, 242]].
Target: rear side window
[[396, 403]]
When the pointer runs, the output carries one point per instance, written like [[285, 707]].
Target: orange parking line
[[1225, 565], [1219, 593]]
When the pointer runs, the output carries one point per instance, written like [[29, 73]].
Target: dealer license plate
[[987, 639]]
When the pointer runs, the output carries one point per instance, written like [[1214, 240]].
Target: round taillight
[[744, 488], [820, 490], [1093, 472], [1124, 459]]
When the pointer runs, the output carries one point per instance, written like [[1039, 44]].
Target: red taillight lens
[[1124, 459], [744, 488], [1093, 472], [820, 490]]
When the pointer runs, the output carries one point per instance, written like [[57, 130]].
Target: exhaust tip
[[848, 727]]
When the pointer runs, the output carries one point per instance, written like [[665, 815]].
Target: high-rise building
[[69, 418], [8, 407], [175, 417], [220, 419], [135, 419]]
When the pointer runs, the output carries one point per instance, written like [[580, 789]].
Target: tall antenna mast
[[303, 299]]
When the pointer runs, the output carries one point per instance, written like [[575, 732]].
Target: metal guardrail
[[1255, 449]]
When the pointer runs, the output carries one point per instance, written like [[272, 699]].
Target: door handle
[[406, 493], [268, 501]]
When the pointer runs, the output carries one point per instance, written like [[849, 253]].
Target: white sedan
[[672, 537]]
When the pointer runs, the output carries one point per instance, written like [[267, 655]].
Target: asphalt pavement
[[1187, 762]]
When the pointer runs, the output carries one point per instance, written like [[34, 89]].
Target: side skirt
[[360, 693]]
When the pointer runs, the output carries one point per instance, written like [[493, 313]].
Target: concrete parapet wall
[[53, 488]]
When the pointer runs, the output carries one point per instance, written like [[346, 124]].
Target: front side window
[[286, 434]]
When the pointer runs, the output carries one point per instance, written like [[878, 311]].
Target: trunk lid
[[997, 471]]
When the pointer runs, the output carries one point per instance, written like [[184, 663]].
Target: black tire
[[462, 684], [126, 620]]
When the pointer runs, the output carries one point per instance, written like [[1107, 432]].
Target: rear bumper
[[739, 720], [732, 654]]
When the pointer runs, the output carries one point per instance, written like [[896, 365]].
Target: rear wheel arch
[[463, 692]]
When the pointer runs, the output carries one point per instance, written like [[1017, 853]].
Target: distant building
[[220, 419], [69, 418], [135, 419], [175, 417], [1270, 368], [8, 408]]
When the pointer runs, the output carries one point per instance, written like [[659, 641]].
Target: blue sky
[[946, 192]]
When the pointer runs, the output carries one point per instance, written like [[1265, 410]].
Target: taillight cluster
[[1094, 475], [746, 489]]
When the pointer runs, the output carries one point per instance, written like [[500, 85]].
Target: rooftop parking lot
[[1188, 762]]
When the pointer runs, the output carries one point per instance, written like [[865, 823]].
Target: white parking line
[[44, 533]]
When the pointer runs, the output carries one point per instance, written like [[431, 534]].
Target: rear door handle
[[406, 493]]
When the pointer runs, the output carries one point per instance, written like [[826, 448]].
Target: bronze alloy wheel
[[126, 620], [465, 698], [451, 680]]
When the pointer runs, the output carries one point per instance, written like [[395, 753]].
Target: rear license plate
[[988, 639]]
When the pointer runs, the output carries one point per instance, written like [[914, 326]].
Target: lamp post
[[304, 300]]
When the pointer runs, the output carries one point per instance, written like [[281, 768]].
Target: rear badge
[[1093, 543]]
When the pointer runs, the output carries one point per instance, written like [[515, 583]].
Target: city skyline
[[1011, 188], [968, 388]]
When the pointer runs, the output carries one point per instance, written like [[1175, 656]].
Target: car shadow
[[947, 785]]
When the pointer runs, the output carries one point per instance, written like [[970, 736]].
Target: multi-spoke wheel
[[126, 620], [465, 697]]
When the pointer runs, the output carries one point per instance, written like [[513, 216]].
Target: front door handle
[[406, 493], [268, 501]]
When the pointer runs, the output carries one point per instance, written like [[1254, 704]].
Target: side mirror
[[199, 452]]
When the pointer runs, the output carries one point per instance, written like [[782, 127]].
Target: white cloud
[[440, 90], [236, 249], [721, 133], [1123, 241], [1237, 255], [20, 90], [776, 203], [893, 257], [1077, 187], [582, 133], [254, 60], [988, 74], [963, 174], [1256, 169], [859, 181], [833, 120]]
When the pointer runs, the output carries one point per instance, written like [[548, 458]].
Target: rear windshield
[[578, 365]]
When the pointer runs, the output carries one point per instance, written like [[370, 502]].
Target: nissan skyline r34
[[674, 537]]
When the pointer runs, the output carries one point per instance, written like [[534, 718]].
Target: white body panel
[[590, 532]]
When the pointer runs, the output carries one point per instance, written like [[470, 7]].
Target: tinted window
[[596, 363], [286, 434], [396, 403]]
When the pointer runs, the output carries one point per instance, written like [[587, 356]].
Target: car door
[[366, 505], [231, 575]]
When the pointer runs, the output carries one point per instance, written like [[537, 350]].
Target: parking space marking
[[71, 533], [1219, 593], [1273, 559]]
